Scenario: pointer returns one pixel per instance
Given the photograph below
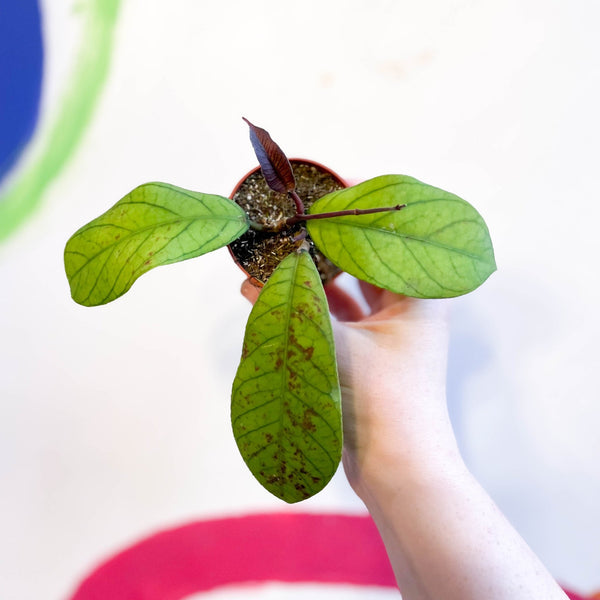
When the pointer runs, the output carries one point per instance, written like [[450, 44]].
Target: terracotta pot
[[310, 176]]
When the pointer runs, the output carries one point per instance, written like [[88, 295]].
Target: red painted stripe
[[288, 547], [574, 596]]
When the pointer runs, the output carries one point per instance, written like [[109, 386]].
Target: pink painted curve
[[287, 547], [282, 547]]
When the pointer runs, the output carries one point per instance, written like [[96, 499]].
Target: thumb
[[250, 291]]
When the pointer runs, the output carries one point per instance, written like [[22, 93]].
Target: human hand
[[444, 535], [392, 369]]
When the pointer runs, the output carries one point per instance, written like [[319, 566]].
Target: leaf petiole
[[298, 218], [301, 217], [297, 201]]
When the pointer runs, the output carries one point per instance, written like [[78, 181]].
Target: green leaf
[[438, 246], [285, 409], [155, 224]]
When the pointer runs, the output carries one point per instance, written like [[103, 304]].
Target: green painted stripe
[[25, 193]]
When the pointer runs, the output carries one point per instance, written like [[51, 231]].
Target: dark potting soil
[[259, 252]]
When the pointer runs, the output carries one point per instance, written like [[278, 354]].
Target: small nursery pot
[[257, 253]]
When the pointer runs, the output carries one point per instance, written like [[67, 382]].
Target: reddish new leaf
[[273, 162]]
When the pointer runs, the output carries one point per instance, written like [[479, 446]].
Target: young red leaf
[[275, 166]]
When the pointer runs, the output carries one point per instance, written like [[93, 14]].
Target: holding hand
[[445, 537]]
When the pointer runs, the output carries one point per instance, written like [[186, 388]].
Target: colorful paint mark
[[21, 64], [277, 547], [71, 118], [205, 555]]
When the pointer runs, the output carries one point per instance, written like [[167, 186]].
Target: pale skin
[[445, 537]]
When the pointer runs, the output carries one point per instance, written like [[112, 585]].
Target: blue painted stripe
[[21, 69]]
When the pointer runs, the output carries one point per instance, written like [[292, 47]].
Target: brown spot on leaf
[[272, 479], [307, 352], [307, 423], [300, 312], [292, 418], [317, 304]]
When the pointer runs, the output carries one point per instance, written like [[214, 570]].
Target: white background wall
[[114, 420]]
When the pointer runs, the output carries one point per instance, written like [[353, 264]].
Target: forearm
[[445, 537]]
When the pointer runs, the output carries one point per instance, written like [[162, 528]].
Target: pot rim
[[308, 161]]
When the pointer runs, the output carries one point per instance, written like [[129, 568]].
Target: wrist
[[396, 460]]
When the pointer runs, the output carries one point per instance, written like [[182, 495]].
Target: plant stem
[[300, 217], [300, 236], [258, 226], [342, 213], [275, 227], [298, 202]]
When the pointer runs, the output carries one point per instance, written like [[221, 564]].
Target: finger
[[385, 304], [250, 291], [388, 298], [342, 304], [372, 295]]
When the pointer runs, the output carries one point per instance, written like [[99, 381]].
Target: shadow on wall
[[469, 353]]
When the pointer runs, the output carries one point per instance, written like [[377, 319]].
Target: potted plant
[[392, 231]]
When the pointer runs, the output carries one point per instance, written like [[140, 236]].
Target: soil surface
[[260, 252]]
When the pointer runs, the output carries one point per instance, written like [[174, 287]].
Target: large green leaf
[[155, 224], [438, 246], [285, 407]]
